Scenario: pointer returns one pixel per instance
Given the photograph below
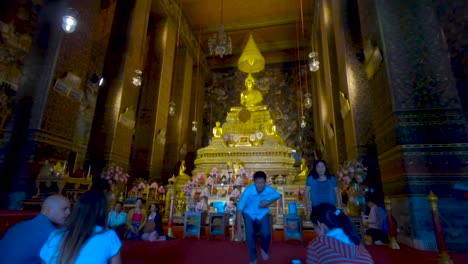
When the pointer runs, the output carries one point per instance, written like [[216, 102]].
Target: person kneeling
[[377, 230], [337, 240], [254, 205], [153, 230]]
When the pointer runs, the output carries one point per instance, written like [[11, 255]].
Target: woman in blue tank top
[[321, 187]]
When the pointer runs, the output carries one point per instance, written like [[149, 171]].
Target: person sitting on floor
[[377, 230], [153, 230], [337, 240], [23, 241], [84, 239], [136, 221], [117, 219], [255, 204]]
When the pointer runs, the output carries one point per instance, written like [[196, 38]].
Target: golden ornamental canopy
[[251, 60]]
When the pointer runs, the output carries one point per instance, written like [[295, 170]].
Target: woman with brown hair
[[84, 239]]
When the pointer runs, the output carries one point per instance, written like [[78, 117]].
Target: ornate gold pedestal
[[253, 143]]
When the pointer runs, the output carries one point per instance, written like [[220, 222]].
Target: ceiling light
[[69, 21]]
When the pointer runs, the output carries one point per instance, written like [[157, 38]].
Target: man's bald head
[[56, 208]]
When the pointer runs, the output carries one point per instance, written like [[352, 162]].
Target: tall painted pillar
[[19, 146], [354, 92], [421, 134], [114, 122], [354, 88], [151, 128], [179, 125]]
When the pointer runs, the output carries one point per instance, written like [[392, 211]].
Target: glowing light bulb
[[69, 21]]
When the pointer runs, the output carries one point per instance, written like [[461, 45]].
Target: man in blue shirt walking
[[254, 205], [23, 241]]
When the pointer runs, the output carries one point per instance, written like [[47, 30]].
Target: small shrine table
[[293, 227], [192, 224], [219, 225]]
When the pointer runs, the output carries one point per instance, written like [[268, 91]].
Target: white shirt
[[375, 219], [251, 200], [99, 249]]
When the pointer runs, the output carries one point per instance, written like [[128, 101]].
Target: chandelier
[[220, 43]]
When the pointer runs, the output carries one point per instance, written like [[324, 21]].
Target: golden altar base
[[253, 143]]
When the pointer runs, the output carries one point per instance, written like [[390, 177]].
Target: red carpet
[[192, 251]]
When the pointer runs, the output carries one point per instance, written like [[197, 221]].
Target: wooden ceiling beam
[[252, 24]]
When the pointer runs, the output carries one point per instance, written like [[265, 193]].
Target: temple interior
[[186, 99]]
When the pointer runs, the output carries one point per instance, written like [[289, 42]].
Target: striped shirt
[[329, 250]]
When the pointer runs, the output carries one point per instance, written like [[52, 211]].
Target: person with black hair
[[321, 187], [84, 239], [136, 221], [337, 240], [255, 204], [117, 219], [153, 230], [376, 222]]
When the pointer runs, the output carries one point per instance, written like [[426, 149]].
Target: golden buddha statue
[[218, 130], [302, 176], [252, 98], [182, 178], [182, 169]]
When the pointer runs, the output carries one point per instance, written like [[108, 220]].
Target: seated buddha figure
[[218, 130], [251, 98], [182, 169], [182, 178]]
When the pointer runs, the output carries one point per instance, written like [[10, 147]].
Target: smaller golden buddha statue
[[218, 130], [302, 176], [270, 128], [182, 178], [252, 98], [182, 169]]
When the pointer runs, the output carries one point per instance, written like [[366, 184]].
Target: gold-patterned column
[[326, 90], [166, 49], [354, 94], [33, 85], [179, 125], [420, 129], [113, 124]]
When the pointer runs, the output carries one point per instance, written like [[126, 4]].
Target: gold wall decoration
[[345, 106], [373, 58], [127, 118]]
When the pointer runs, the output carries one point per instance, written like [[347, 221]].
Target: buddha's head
[[218, 124], [249, 82]]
